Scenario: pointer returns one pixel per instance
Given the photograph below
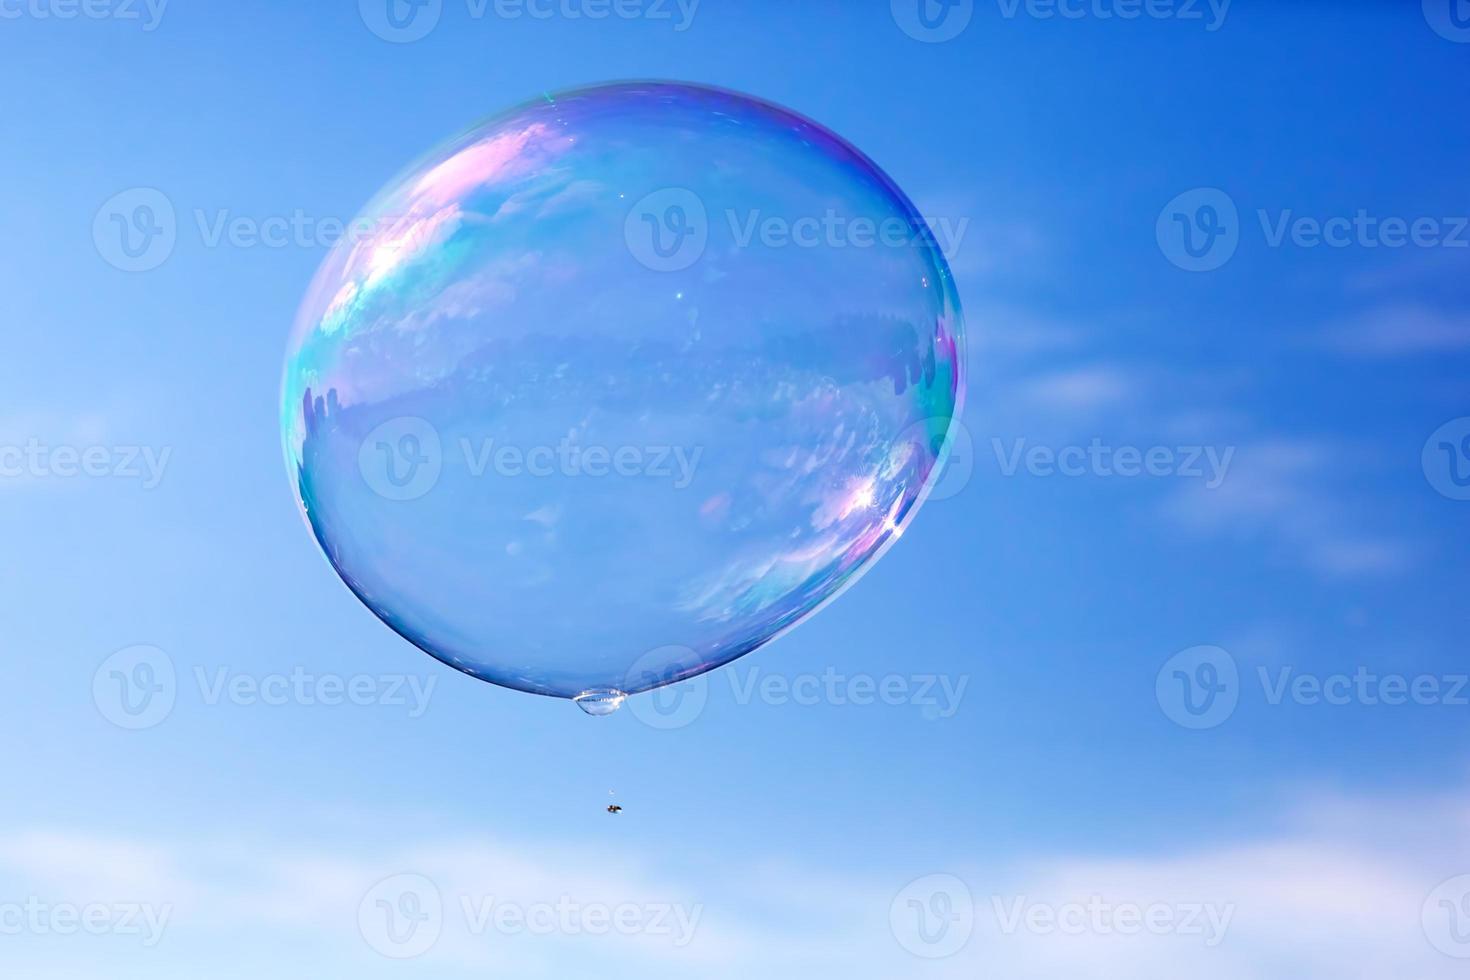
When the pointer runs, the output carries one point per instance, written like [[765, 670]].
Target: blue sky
[[1032, 751]]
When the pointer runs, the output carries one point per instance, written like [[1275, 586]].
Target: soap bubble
[[620, 385]]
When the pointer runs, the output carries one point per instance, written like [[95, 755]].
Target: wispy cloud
[[1299, 499], [1084, 388], [1343, 890], [1289, 492], [1013, 331], [978, 245], [1399, 331]]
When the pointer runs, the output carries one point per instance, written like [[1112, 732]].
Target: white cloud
[[1296, 498], [1339, 893], [1010, 330], [978, 245], [1400, 331], [1287, 492], [1081, 389]]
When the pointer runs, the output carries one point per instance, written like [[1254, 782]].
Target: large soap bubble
[[620, 385]]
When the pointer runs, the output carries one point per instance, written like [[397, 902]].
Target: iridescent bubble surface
[[619, 385]]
